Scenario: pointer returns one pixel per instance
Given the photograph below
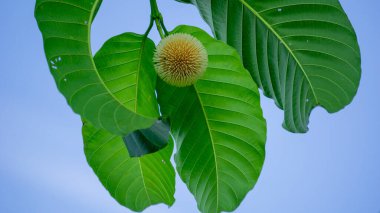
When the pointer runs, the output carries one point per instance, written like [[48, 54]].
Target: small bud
[[180, 59]]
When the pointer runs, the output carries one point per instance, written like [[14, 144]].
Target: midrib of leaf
[[143, 180], [283, 42], [93, 63], [89, 24], [213, 148], [138, 70]]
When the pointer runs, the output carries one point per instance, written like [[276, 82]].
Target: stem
[[155, 13], [149, 28], [157, 18], [159, 29], [163, 26]]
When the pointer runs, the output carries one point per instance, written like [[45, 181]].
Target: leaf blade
[[125, 64], [135, 183], [66, 27], [218, 128], [303, 54]]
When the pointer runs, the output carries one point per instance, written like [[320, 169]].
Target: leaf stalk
[[157, 18]]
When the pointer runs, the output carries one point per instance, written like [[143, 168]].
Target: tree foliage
[[301, 53]]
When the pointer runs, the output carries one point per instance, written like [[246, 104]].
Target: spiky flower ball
[[180, 59]]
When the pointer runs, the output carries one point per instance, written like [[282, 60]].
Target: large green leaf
[[135, 183], [218, 128], [111, 98], [302, 53]]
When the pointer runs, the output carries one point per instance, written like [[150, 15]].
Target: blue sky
[[333, 168]]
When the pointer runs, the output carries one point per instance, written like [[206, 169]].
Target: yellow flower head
[[180, 59]]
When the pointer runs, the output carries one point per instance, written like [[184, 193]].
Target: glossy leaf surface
[[136, 183], [302, 53], [102, 97], [218, 128]]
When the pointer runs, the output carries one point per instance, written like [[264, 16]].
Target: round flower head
[[180, 59]]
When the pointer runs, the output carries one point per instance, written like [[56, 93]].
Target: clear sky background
[[333, 168]]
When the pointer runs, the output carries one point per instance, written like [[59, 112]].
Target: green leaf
[[125, 63], [135, 183], [102, 97], [218, 128], [146, 141], [302, 53]]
